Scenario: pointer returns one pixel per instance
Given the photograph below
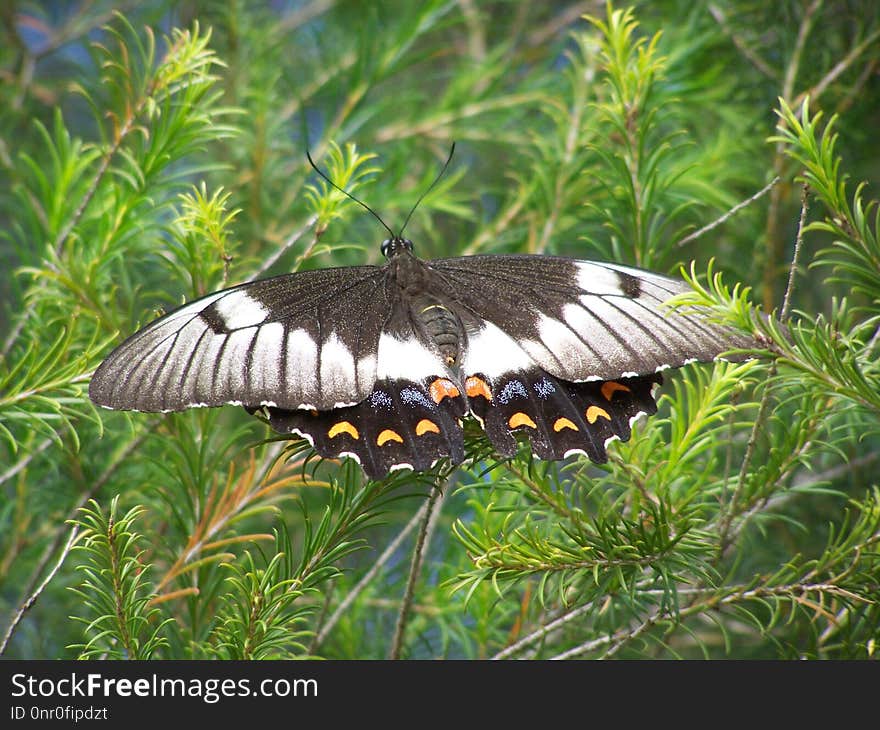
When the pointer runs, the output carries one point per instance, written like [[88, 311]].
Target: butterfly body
[[382, 363], [430, 307]]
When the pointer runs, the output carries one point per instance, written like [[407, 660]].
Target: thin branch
[[437, 127], [543, 631], [801, 482], [23, 462], [291, 239], [761, 416], [855, 90], [729, 214], [50, 549], [80, 25], [551, 30], [741, 45], [791, 71], [795, 259], [303, 14], [712, 602], [32, 599], [772, 230], [476, 38], [368, 576], [841, 66], [421, 547]]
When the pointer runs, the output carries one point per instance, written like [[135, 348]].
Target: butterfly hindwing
[[559, 417], [400, 424]]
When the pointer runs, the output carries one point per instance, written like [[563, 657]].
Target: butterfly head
[[391, 247]]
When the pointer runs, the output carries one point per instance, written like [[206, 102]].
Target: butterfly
[[382, 363]]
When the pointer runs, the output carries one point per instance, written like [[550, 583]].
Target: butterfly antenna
[[430, 188], [349, 195]]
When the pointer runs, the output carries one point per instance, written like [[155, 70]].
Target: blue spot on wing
[[411, 396], [544, 388], [381, 399], [513, 389]]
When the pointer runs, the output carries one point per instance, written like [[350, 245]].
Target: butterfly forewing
[[299, 340], [582, 320]]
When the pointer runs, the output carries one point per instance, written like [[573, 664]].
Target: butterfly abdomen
[[442, 327], [437, 323]]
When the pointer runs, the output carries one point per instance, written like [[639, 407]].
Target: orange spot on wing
[[443, 388], [562, 423], [475, 386], [593, 413], [388, 435], [610, 387], [520, 419], [425, 426], [343, 427]]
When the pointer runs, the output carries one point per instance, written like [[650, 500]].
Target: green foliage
[[261, 614], [639, 200], [120, 623], [854, 254], [141, 170]]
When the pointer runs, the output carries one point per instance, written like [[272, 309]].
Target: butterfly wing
[[333, 355], [568, 351], [581, 320], [411, 418], [304, 340], [400, 424]]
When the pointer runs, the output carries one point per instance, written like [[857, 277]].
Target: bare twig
[[706, 599], [50, 549], [476, 36], [24, 461], [616, 640], [540, 633], [32, 598], [855, 89], [795, 259], [794, 64], [730, 509], [729, 214], [291, 239], [838, 68], [741, 45], [421, 547], [303, 14], [772, 230], [369, 575], [550, 30], [799, 482]]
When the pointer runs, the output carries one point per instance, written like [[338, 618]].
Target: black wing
[[567, 352], [578, 320], [303, 340], [411, 418]]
